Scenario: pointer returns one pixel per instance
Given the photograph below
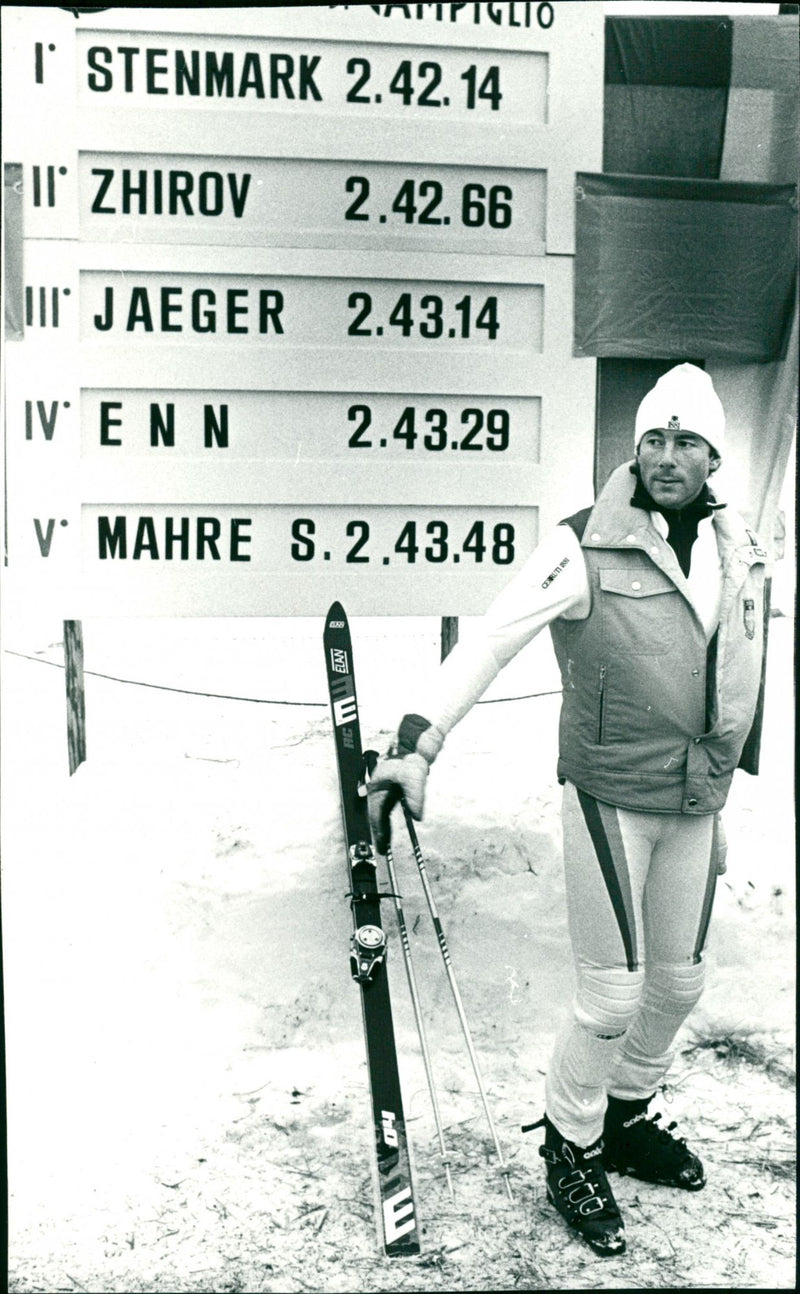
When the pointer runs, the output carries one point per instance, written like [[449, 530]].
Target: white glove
[[402, 774]]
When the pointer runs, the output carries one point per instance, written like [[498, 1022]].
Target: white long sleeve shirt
[[552, 583]]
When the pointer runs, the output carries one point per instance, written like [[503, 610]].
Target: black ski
[[397, 1219]]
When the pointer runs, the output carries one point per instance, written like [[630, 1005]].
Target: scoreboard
[[295, 311]]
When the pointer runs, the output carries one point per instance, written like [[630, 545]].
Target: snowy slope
[[186, 1085]]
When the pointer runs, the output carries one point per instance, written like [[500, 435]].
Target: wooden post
[[76, 700], [449, 634]]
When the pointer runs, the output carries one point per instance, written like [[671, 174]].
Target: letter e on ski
[[398, 1215]]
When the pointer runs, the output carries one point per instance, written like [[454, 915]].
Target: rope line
[[529, 696], [225, 696], [164, 687]]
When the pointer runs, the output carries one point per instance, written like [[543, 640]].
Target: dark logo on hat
[[674, 423]]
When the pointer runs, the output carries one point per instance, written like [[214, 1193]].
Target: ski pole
[[370, 759], [454, 986], [423, 1042]]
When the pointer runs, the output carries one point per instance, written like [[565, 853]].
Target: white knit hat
[[683, 399]]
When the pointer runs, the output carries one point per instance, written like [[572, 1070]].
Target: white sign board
[[297, 310]]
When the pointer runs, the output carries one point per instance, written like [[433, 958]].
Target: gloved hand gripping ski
[[402, 773]]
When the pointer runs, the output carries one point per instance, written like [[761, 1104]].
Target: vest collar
[[613, 523]]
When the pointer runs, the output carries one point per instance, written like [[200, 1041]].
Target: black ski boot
[[635, 1144], [578, 1188]]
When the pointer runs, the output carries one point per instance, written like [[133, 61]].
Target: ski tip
[[336, 614]]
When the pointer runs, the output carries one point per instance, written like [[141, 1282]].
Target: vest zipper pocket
[[601, 705]]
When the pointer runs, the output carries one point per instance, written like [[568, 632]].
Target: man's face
[[674, 464]]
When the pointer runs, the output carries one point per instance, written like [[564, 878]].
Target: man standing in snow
[[654, 598]]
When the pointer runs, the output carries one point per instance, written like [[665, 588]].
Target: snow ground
[[186, 1084]]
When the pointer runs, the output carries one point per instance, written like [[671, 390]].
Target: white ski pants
[[640, 888]]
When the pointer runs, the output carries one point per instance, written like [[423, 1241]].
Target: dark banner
[[668, 268]]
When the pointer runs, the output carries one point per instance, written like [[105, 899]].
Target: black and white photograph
[[397, 643]]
